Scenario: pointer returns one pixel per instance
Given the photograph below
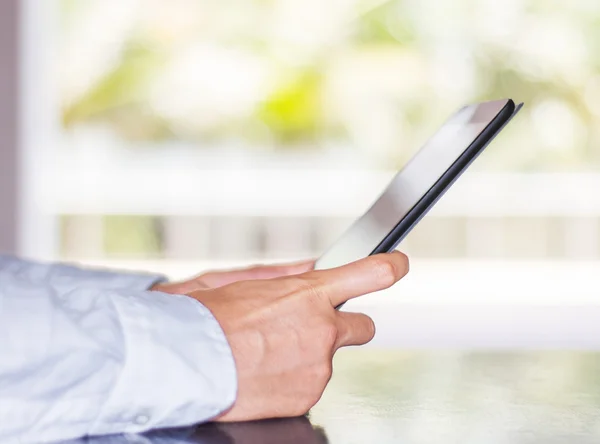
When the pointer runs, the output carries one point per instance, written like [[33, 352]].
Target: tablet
[[422, 181]]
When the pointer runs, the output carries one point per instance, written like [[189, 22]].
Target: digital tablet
[[421, 182]]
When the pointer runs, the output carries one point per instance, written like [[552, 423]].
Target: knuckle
[[390, 269], [302, 408], [326, 371], [320, 375], [386, 271], [306, 286], [328, 333], [323, 371]]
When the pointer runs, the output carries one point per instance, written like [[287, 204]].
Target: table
[[390, 396]]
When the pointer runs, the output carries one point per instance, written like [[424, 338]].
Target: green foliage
[[384, 24], [294, 112], [131, 236], [68, 9], [121, 87]]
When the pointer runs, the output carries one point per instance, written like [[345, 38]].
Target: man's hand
[[215, 279], [283, 332]]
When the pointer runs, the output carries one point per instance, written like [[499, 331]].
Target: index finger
[[359, 278]]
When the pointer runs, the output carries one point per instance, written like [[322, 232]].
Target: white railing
[[209, 183], [303, 192]]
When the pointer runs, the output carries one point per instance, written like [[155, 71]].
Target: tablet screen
[[407, 188]]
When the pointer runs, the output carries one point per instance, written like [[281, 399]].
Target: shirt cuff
[[179, 369]]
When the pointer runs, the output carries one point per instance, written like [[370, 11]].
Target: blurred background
[[193, 134]]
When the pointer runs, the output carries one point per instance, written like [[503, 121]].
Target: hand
[[215, 279], [283, 332]]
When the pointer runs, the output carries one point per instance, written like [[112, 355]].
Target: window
[[201, 134]]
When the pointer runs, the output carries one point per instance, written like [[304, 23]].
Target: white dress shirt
[[93, 353]]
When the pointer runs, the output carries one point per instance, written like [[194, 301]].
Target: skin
[[216, 279], [283, 329]]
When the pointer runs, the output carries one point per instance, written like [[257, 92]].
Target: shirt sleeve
[[65, 275], [79, 361]]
